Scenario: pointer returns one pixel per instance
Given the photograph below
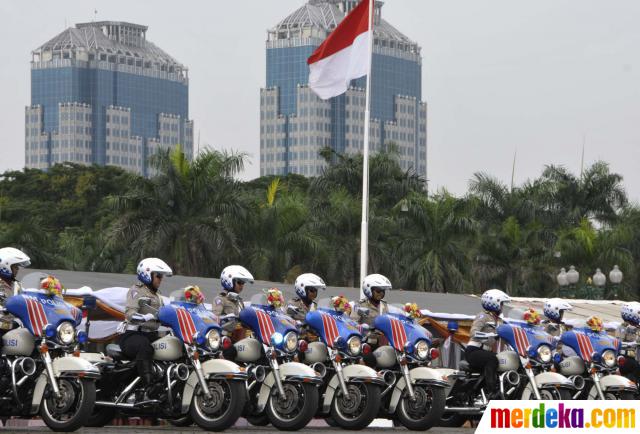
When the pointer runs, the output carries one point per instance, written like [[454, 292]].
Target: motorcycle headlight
[[291, 342], [421, 350], [354, 345], [213, 339], [609, 359], [66, 333], [544, 353]]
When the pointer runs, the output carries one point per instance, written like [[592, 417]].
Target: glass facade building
[[101, 93], [295, 124]]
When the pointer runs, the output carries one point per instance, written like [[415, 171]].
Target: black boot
[[145, 371]]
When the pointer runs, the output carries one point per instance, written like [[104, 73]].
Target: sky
[[534, 79]]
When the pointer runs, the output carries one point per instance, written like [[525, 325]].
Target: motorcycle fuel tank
[[508, 361], [248, 350], [167, 348], [385, 356], [18, 342]]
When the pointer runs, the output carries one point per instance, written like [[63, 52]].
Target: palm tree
[[596, 195], [185, 214], [433, 255]]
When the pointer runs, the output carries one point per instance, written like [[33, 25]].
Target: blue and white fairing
[[36, 310], [188, 320], [332, 326], [401, 330], [265, 321], [589, 344], [525, 338]]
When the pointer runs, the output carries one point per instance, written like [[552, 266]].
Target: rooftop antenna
[[584, 139], [95, 15]]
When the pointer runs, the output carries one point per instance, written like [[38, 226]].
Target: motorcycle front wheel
[[72, 408], [296, 409], [552, 394], [423, 412], [358, 409], [222, 409]]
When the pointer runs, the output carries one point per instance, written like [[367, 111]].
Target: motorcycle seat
[[114, 351]]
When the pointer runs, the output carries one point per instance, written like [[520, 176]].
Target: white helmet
[[630, 312], [10, 256], [308, 280], [375, 281], [234, 272], [152, 265], [493, 299], [555, 307]]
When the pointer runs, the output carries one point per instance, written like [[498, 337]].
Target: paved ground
[[269, 430]]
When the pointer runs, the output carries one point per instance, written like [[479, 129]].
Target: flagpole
[[364, 230]]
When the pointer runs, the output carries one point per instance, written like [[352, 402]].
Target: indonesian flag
[[343, 56]]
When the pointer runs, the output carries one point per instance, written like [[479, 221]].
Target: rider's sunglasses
[[158, 275], [239, 282], [312, 289]]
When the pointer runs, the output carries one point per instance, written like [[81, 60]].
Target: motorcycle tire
[[83, 393], [300, 405], [428, 416], [452, 420], [365, 412], [181, 422], [260, 420], [227, 412], [100, 417]]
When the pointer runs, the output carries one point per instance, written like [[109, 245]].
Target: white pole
[[364, 231]]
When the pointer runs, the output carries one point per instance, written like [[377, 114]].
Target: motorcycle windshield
[[330, 324], [585, 342], [523, 337], [186, 320], [36, 310], [400, 329], [265, 320]]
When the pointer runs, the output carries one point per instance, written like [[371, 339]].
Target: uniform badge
[[218, 301]]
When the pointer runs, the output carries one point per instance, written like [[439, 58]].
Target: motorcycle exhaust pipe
[[578, 381], [512, 378], [181, 371], [259, 373], [320, 368], [27, 366], [389, 377]]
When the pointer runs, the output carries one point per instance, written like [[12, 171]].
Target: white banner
[[529, 417]]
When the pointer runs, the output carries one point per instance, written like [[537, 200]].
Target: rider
[[373, 287], [480, 353], [10, 262], [554, 309], [629, 331], [232, 279], [141, 318], [306, 286]]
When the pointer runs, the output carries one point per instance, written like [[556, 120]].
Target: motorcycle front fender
[[419, 375], [291, 371], [214, 368], [351, 373]]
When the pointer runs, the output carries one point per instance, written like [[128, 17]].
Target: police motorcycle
[[415, 393], [284, 391], [524, 372], [593, 364], [350, 391], [210, 392], [40, 371]]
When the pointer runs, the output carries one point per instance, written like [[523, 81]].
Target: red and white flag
[[344, 56]]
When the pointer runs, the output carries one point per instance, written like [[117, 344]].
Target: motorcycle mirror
[[137, 317], [144, 301], [294, 310], [363, 312], [233, 296]]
